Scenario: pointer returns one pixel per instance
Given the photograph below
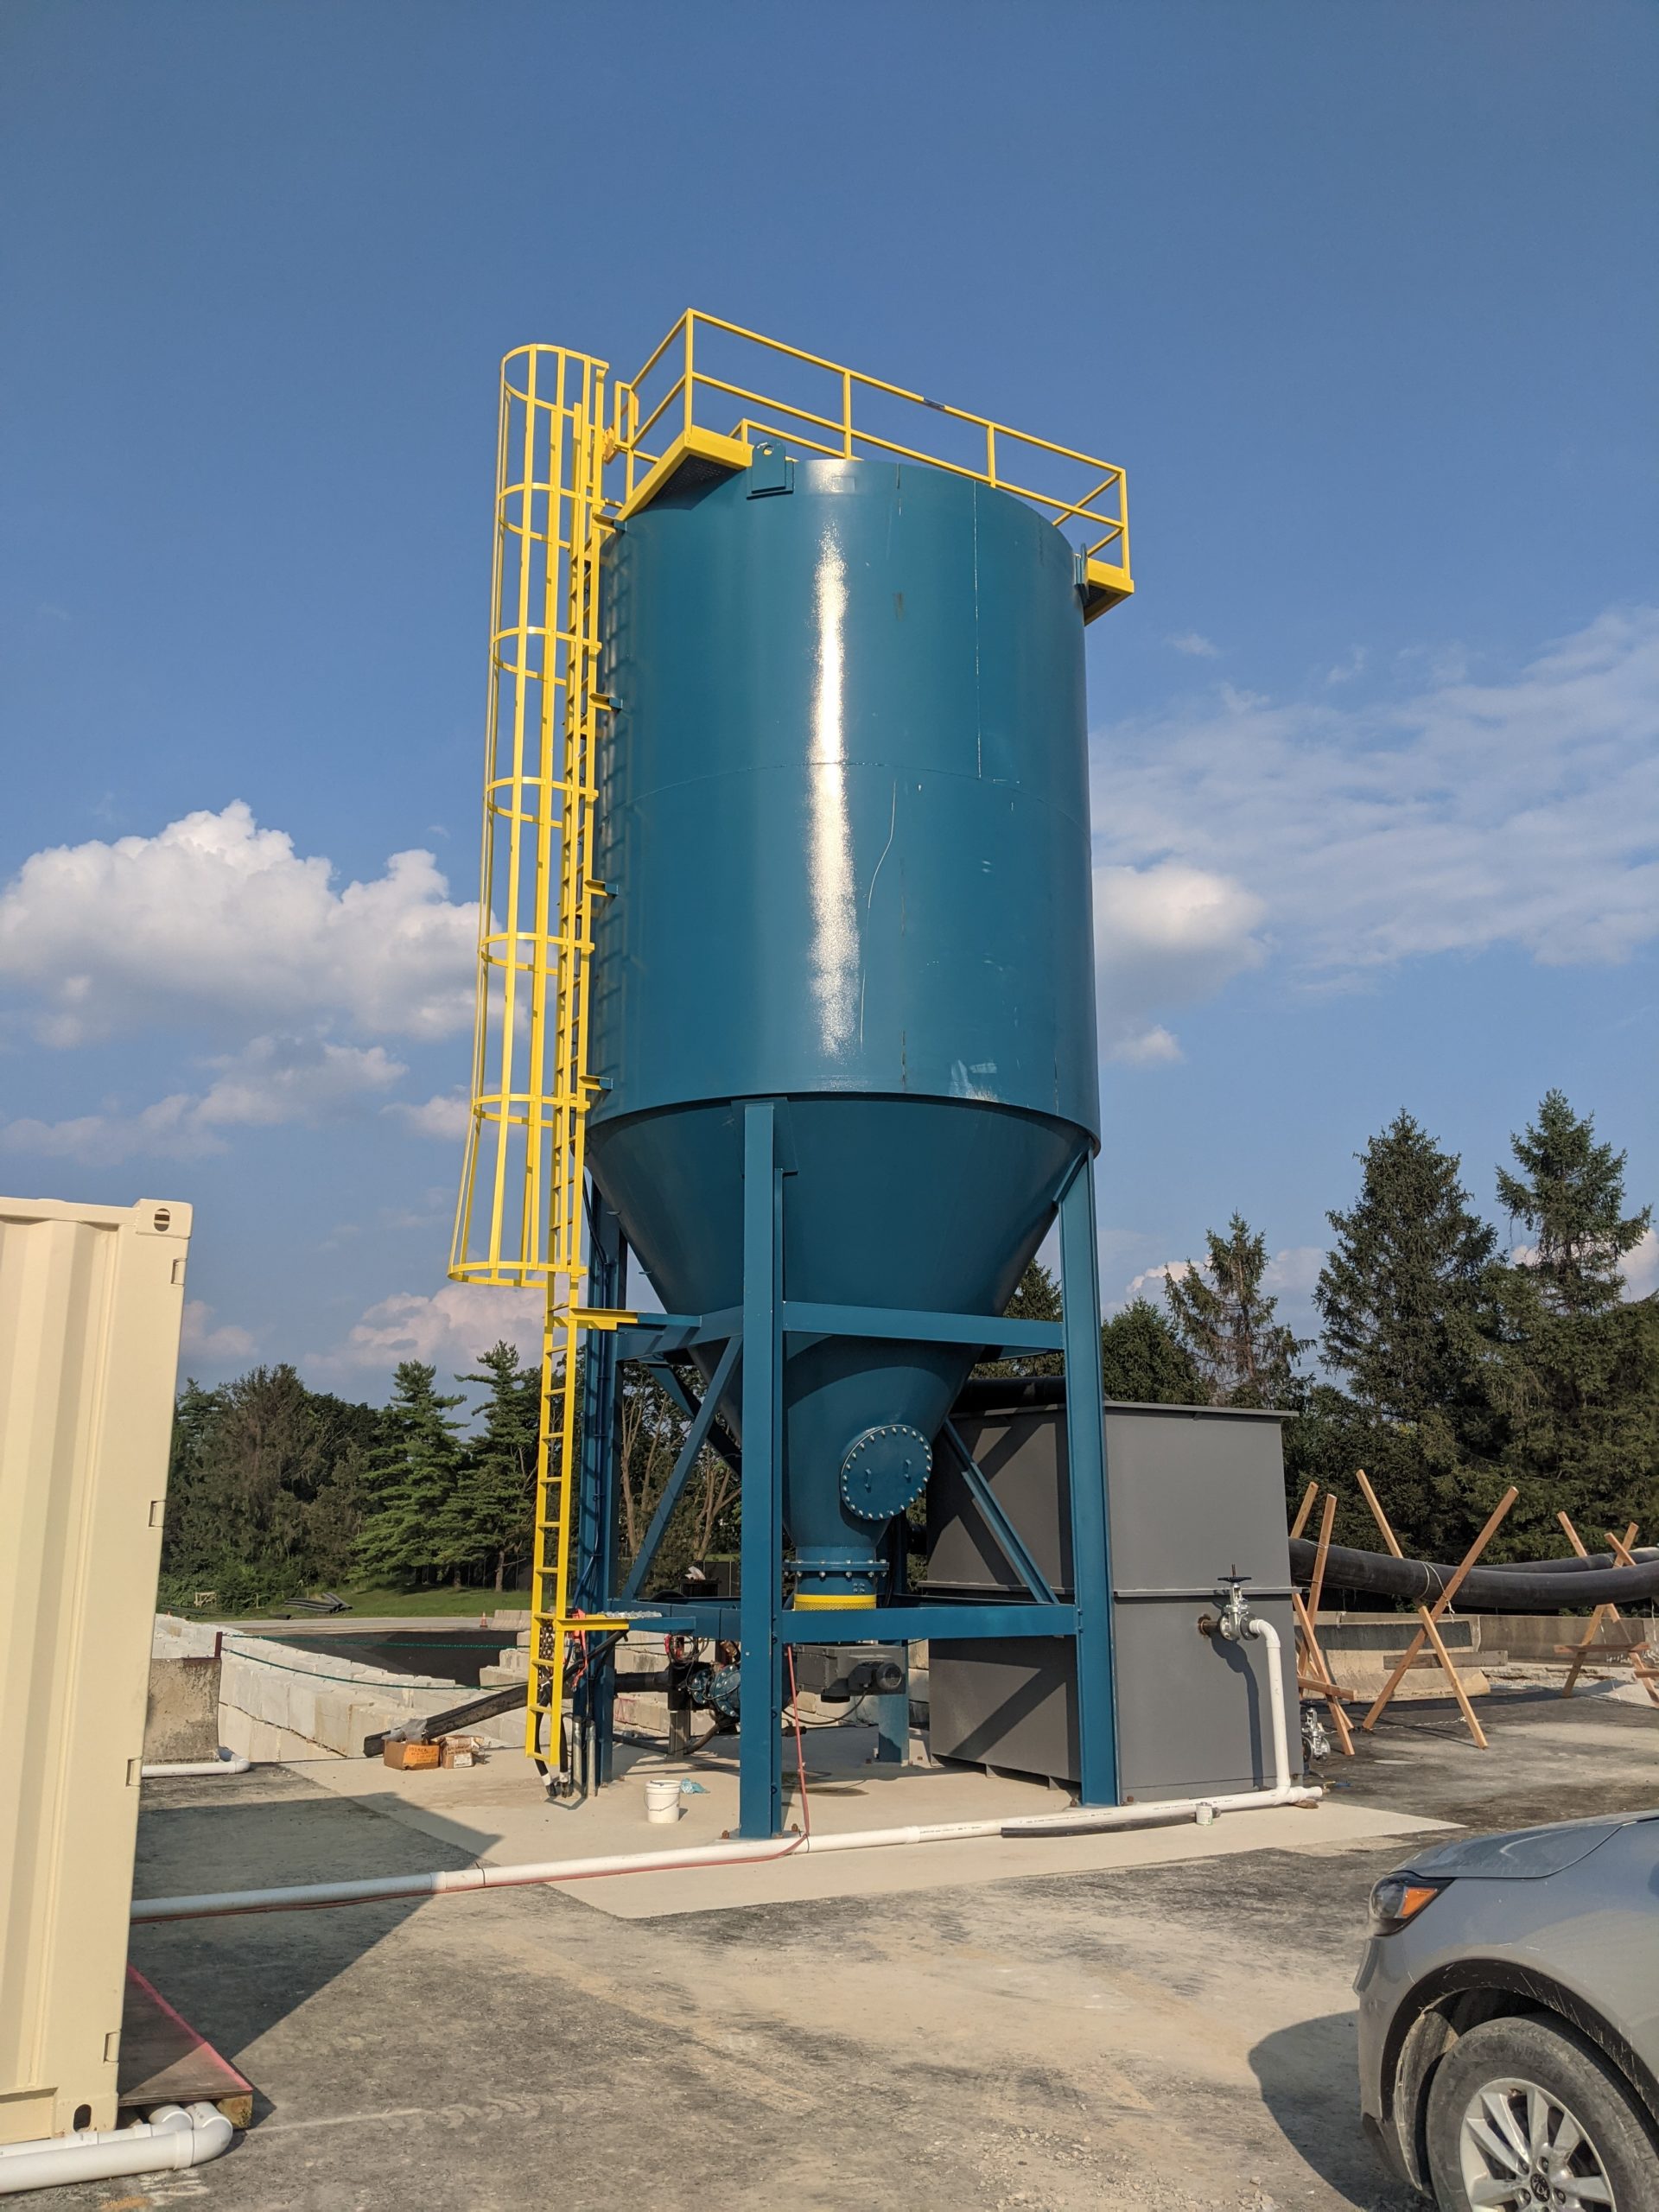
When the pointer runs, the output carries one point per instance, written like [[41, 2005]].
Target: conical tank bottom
[[927, 1204]]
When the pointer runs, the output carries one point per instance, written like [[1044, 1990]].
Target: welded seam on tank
[[869, 906], [834, 911]]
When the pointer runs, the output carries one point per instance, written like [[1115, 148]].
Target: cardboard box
[[410, 1755]]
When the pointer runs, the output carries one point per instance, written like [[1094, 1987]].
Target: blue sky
[[1360, 297]]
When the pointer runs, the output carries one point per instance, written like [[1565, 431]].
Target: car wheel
[[1523, 2113]]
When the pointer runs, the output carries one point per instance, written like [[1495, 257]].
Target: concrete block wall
[[277, 1701], [1360, 1648], [181, 1712]]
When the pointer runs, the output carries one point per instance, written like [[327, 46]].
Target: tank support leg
[[1086, 1467], [891, 1713], [760, 1741]]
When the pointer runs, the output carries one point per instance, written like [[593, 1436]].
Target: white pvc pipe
[[1269, 1635], [229, 1765], [299, 1897], [169, 2139]]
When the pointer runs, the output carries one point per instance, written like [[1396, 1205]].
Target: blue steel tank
[[847, 847]]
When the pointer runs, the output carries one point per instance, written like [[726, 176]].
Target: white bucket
[[663, 1800]]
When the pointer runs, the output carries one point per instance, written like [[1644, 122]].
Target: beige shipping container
[[91, 1302]]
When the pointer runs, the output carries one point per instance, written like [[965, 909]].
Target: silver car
[[1508, 2018]]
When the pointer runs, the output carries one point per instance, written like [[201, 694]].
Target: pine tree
[[491, 1517], [1565, 1372], [1408, 1259], [1142, 1362], [411, 1480], [264, 1464], [189, 1517], [263, 1491], [1223, 1320], [1570, 1196]]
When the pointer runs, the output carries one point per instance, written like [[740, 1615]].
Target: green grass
[[373, 1603]]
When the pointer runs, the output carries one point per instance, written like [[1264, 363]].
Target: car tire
[[1480, 2103]]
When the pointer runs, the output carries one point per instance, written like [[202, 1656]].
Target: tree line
[[1453, 1367], [1449, 1366], [274, 1489]]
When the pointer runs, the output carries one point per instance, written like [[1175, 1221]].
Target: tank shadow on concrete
[[1309, 2084]]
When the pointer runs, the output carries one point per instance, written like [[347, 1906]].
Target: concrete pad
[[1641, 1752], [499, 1814], [1174, 2037]]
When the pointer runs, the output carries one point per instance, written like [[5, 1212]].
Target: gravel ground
[[1178, 2036]]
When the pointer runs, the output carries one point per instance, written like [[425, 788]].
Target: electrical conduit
[[171, 2138], [302, 1896]]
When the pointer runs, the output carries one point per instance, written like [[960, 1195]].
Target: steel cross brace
[[1005, 1536], [650, 1338], [756, 1331], [695, 1437]]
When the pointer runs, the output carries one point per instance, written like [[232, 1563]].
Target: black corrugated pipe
[[1643, 1554], [1539, 1586]]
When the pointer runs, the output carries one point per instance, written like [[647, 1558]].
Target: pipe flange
[[884, 1470]]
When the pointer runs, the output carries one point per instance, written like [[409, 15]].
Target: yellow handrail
[[695, 386]]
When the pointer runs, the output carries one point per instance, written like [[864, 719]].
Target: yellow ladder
[[519, 1216], [573, 1086]]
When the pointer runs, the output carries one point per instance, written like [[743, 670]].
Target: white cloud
[[448, 1329], [272, 1079], [165, 1130], [1290, 1273], [1149, 1283], [1521, 812], [446, 1115], [295, 1079], [1145, 1047], [217, 920], [1166, 935], [1196, 647], [200, 1340], [1294, 1272]]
